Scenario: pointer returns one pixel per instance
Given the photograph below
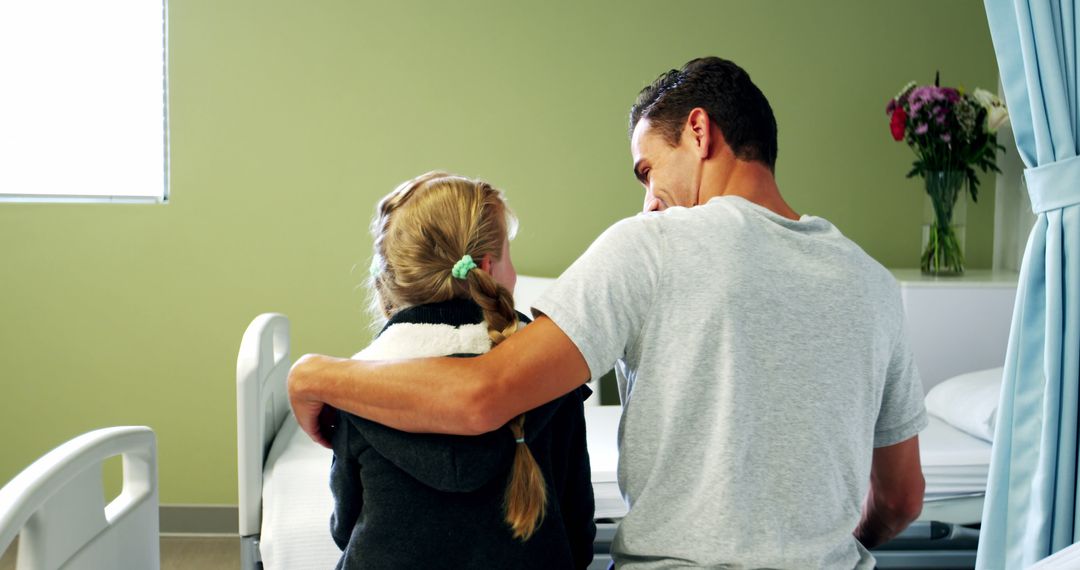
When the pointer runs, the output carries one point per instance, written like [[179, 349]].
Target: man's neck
[[751, 181]]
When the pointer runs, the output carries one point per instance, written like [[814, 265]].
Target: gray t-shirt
[[760, 360]]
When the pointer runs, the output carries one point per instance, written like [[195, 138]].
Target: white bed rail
[[56, 506], [262, 404]]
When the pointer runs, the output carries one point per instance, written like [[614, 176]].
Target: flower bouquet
[[951, 133]]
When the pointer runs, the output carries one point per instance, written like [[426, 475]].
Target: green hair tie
[[463, 267]]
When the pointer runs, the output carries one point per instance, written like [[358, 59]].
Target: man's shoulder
[[632, 234], [880, 289], [880, 278], [716, 218], [656, 226], [638, 223]]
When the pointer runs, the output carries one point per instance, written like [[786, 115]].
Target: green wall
[[290, 119]]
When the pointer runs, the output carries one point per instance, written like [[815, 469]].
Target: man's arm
[[896, 492], [464, 396]]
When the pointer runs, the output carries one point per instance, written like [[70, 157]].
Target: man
[[767, 384]]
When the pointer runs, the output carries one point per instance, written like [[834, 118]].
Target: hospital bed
[[285, 502]]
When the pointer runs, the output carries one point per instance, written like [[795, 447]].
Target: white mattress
[[954, 463], [297, 502], [602, 430], [956, 466]]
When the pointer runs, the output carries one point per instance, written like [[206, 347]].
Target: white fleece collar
[[420, 340]]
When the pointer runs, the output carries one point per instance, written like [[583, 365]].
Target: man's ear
[[701, 129], [485, 263]]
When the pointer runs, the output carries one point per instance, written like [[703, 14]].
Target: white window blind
[[83, 100]]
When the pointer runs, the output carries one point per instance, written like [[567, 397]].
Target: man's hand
[[311, 413]]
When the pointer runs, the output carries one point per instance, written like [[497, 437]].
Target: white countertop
[[971, 278]]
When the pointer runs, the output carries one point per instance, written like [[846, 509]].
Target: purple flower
[[921, 128], [921, 93], [927, 95], [918, 98], [946, 137], [890, 107], [941, 119]]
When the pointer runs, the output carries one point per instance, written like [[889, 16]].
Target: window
[[83, 100]]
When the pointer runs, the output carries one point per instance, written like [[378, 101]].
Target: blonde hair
[[421, 230]]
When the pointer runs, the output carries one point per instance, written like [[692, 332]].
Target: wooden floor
[[179, 553]]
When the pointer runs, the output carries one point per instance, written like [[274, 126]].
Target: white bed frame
[[56, 506], [262, 404]]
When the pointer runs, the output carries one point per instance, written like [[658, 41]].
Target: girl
[[518, 497]]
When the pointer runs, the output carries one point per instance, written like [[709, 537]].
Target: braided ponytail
[[496, 302], [525, 501], [526, 494]]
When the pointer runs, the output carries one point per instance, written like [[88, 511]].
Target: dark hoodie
[[407, 500]]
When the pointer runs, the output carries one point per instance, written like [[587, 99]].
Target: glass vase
[[944, 222]]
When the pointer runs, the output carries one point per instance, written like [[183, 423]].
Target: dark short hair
[[734, 104]]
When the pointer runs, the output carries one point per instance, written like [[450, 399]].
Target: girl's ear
[[485, 263]]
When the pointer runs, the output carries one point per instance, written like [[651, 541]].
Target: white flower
[[905, 89], [986, 98], [996, 113], [995, 118]]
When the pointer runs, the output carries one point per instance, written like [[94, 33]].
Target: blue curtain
[[1032, 504]]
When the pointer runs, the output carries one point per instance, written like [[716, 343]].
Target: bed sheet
[[943, 446]]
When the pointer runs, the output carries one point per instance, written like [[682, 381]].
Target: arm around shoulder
[[461, 396], [409, 395]]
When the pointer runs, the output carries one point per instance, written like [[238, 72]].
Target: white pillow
[[968, 402]]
